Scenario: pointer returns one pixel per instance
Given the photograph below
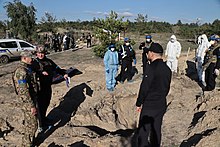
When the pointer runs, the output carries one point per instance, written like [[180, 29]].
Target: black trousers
[[126, 70], [149, 129], [89, 43], [144, 62], [210, 77], [44, 97]]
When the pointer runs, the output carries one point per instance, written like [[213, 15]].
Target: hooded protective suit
[[111, 68], [200, 54], [173, 51]]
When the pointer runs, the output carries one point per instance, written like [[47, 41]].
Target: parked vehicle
[[11, 49]]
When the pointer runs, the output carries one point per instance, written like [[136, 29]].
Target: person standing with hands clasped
[[151, 101], [45, 69]]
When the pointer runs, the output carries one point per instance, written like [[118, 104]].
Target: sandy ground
[[86, 114]]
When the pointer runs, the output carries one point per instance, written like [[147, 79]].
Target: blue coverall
[[111, 68]]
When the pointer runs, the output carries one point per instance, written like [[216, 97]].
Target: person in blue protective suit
[[111, 67], [126, 57]]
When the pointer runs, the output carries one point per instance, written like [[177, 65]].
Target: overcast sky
[[188, 11]]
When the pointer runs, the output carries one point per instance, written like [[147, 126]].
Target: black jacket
[[216, 52], [129, 53], [155, 86], [46, 64]]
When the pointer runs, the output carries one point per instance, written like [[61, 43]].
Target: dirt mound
[[86, 114]]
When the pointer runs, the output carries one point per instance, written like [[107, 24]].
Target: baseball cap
[[215, 37], [148, 36], [156, 48], [126, 39], [111, 46]]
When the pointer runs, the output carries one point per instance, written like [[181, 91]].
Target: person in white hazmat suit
[[200, 54], [172, 54]]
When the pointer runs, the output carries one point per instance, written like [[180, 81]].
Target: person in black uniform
[[126, 57], [212, 63], [151, 101], [45, 68], [145, 46], [56, 43], [89, 40]]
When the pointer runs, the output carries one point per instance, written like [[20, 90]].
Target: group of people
[[113, 58], [32, 80], [59, 42], [126, 56], [155, 85], [208, 61]]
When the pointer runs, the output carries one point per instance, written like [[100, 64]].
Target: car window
[[24, 44], [10, 44]]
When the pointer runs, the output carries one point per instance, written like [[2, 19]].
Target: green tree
[[47, 22], [22, 18], [107, 31], [2, 26], [216, 27], [141, 22], [179, 23]]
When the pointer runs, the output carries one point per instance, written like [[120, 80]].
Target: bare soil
[[86, 114]]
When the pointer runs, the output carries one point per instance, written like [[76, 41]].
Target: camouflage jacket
[[212, 56], [25, 84]]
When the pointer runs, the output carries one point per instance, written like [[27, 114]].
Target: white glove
[[216, 72]]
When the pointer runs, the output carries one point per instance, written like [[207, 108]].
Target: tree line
[[23, 23]]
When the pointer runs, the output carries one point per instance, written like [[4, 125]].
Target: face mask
[[127, 43], [112, 49], [148, 40], [172, 40]]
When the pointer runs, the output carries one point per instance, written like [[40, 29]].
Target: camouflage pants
[[30, 127]]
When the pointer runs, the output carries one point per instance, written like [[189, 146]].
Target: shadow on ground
[[76, 144], [67, 108], [194, 140], [191, 70], [197, 116]]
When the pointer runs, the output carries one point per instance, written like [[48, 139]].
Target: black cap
[[156, 48]]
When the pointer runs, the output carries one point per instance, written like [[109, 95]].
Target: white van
[[11, 48]]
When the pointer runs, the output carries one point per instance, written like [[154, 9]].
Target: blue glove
[[135, 61], [107, 70]]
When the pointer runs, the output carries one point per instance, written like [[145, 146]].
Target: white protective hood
[[173, 37]]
